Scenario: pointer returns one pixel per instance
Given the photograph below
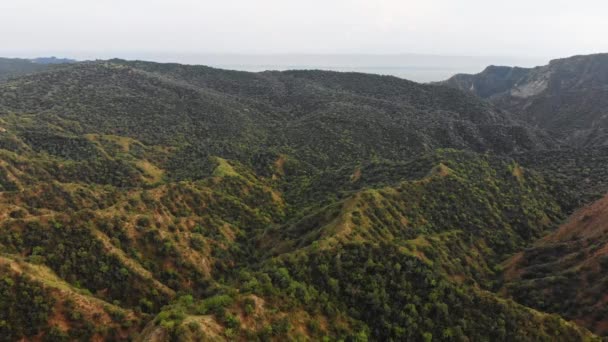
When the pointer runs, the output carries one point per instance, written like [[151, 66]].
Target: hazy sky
[[548, 28]]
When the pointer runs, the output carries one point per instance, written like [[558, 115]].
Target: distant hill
[[568, 97], [52, 60], [14, 67]]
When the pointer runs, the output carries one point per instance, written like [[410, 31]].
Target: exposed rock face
[[568, 96], [531, 88]]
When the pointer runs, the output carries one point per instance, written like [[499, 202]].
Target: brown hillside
[[565, 272]]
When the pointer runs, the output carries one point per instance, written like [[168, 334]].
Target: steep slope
[[580, 172], [133, 248], [422, 212], [381, 261], [565, 272], [492, 81], [394, 255], [568, 96], [33, 297]]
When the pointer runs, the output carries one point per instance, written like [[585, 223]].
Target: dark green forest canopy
[[143, 199]]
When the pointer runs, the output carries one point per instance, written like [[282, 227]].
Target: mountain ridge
[[191, 203]]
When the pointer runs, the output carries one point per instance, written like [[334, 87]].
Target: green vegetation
[[564, 272], [24, 306], [400, 297], [186, 203]]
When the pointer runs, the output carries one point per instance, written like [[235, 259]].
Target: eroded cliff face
[[531, 87], [568, 97]]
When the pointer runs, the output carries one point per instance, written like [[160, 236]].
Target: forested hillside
[[565, 271], [163, 202]]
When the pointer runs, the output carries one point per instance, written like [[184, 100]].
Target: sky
[[522, 28]]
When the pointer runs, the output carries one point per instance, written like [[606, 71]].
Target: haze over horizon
[[419, 40], [544, 28]]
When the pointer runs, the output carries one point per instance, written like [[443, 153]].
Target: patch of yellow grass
[[279, 164], [518, 172], [224, 169], [356, 175], [152, 173], [441, 170]]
